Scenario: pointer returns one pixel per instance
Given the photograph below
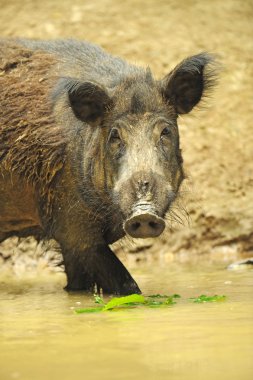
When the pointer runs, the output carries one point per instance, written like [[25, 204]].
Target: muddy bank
[[214, 214]]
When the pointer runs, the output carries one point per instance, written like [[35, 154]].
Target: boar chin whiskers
[[185, 213], [178, 213], [128, 242], [174, 217]]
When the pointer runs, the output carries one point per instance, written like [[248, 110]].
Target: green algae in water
[[98, 299], [163, 296], [134, 300], [164, 300], [203, 298], [89, 310], [130, 301]]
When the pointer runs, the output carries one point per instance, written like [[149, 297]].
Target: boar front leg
[[98, 266]]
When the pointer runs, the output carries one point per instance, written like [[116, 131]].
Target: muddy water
[[42, 338]]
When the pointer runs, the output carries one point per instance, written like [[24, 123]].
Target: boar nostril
[[135, 226], [144, 225], [154, 225]]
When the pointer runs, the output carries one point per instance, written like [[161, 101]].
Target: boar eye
[[114, 135], [166, 132], [116, 145]]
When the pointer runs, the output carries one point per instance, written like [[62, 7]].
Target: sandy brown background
[[217, 141]]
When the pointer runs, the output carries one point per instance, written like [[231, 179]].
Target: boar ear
[[88, 100], [188, 82]]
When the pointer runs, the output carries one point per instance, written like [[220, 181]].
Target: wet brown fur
[[31, 144]]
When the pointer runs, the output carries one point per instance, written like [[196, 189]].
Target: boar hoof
[[124, 290]]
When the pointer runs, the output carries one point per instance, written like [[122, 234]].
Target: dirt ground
[[215, 209]]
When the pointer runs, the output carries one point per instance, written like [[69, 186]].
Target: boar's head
[[137, 159]]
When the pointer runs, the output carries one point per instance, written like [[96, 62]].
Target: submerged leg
[[98, 266]]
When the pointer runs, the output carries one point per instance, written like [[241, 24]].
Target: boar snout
[[144, 224]]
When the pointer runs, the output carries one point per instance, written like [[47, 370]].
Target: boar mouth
[[144, 222]]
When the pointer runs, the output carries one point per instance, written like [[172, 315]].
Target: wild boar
[[89, 151]]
